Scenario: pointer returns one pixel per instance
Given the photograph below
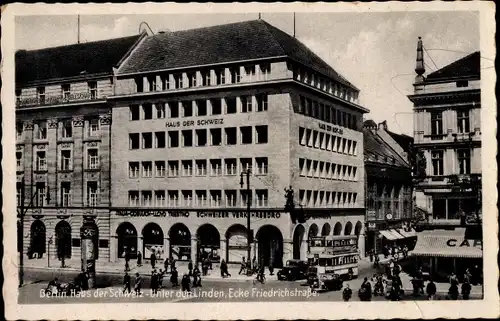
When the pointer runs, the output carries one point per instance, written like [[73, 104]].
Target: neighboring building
[[388, 188], [195, 108], [63, 144], [447, 108]]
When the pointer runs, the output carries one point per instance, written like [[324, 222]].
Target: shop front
[[389, 233]]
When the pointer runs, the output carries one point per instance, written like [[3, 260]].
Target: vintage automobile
[[293, 270]]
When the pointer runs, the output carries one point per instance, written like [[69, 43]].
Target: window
[[40, 194], [250, 70], [178, 81], [92, 158], [463, 121], [261, 134], [245, 197], [66, 91], [173, 168], [160, 140], [221, 77], [159, 198], [42, 130], [246, 164], [67, 128], [216, 136], [230, 166], [174, 109], [187, 138], [302, 105], [230, 105], [187, 108], [192, 79], [94, 127], [261, 164], [231, 137], [230, 198], [201, 167], [235, 75], [139, 84], [147, 140], [92, 193], [201, 198], [66, 160], [462, 83], [246, 104], [436, 123], [147, 169], [265, 70], [261, 102], [147, 110], [215, 167], [40, 93], [261, 195], [173, 139], [41, 161], [215, 198], [19, 131], [92, 89], [173, 197], [437, 162], [187, 197], [463, 161], [133, 198], [246, 134], [133, 169], [201, 137], [133, 141], [187, 168], [205, 75], [65, 194], [147, 198], [202, 107], [216, 106], [134, 112], [165, 79], [160, 169], [19, 161], [160, 110]]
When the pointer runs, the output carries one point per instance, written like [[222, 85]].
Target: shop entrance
[[152, 236], [270, 245], [37, 239], [63, 240], [298, 240], [180, 242], [208, 238], [236, 238], [127, 240]]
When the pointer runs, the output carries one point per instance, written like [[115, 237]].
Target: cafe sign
[[464, 243]]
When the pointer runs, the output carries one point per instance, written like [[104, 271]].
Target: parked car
[[293, 270]]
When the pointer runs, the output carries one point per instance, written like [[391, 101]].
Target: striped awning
[[406, 234], [450, 244], [388, 235]]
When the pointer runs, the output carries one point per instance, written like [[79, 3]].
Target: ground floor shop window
[[63, 240], [208, 238], [37, 239], [180, 242], [152, 236], [127, 240], [236, 237]]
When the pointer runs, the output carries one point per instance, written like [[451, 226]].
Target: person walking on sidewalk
[[466, 288], [196, 277], [271, 268], [153, 259], [166, 264], [347, 293], [139, 258], [223, 269], [243, 265], [138, 284], [154, 282], [126, 283], [127, 259], [174, 277], [431, 290], [172, 265], [190, 268], [370, 253]]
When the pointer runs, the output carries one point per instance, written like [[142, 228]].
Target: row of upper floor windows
[[65, 160], [65, 194], [65, 92], [462, 118], [199, 107], [326, 170], [316, 139], [65, 129], [313, 198], [198, 167], [200, 137], [312, 108], [461, 164], [198, 198], [202, 78]]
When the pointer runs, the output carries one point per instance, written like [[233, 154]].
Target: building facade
[[389, 192], [187, 123], [447, 122], [63, 138]]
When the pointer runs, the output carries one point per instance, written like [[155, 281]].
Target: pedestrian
[[453, 279], [370, 253], [126, 283], [431, 290], [210, 258], [138, 284], [190, 268], [223, 269], [127, 259], [154, 282], [186, 283], [160, 278], [393, 250], [166, 263], [197, 277], [377, 262], [467, 275], [243, 265], [271, 268], [347, 293], [174, 277], [254, 264], [153, 258], [204, 266], [466, 288], [405, 251], [139, 258], [172, 265]]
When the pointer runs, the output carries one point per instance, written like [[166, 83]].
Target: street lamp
[[249, 200]]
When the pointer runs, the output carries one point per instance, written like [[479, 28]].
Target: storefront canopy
[[452, 244], [391, 235], [408, 234]]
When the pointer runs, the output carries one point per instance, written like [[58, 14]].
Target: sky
[[375, 51]]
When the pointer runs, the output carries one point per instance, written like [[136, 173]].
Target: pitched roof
[[375, 145], [246, 40], [403, 140], [468, 66], [72, 60]]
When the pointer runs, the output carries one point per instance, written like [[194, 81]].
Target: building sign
[[199, 122], [330, 128], [199, 214], [155, 213], [54, 100], [465, 242], [344, 245]]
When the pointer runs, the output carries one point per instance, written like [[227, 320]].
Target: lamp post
[[249, 200]]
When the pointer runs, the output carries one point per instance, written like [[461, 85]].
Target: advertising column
[[88, 234]]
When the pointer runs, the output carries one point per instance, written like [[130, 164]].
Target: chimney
[[383, 125], [419, 68]]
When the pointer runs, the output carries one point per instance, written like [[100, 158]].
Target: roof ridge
[[213, 26], [453, 63]]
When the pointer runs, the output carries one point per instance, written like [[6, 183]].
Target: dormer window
[[462, 83], [93, 89], [40, 93], [66, 90]]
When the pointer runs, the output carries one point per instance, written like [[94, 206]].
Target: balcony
[[57, 100]]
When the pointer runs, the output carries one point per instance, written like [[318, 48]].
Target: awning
[[452, 244], [388, 235], [397, 235], [406, 234]]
